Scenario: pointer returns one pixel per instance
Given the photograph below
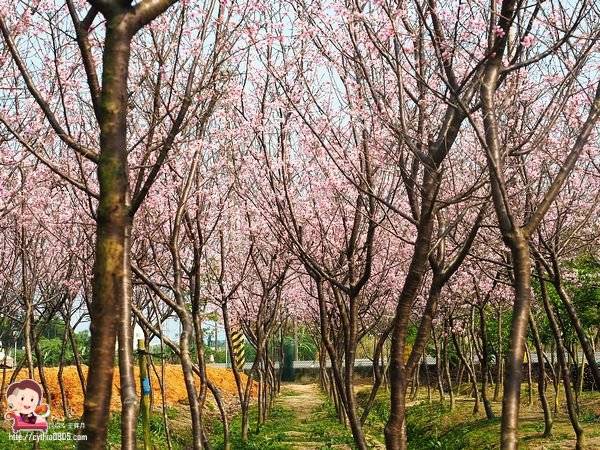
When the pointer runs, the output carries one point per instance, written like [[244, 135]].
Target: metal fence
[[365, 362]]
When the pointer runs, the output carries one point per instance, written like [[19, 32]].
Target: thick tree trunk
[[395, 428], [199, 342], [518, 333], [111, 286], [400, 439], [188, 376]]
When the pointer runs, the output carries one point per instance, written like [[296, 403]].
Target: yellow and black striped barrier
[[238, 343]]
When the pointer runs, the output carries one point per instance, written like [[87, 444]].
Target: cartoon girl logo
[[25, 406]]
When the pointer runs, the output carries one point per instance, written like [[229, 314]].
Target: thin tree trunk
[[416, 384], [438, 366], [541, 377], [427, 379], [557, 388], [580, 378], [41, 371], [219, 401], [470, 371], [560, 350], [529, 376], [161, 378], [586, 346], [76, 357], [3, 385], [378, 373], [484, 365], [447, 372], [499, 357], [459, 377], [28, 326]]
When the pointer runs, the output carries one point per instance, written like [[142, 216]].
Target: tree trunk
[[557, 388], [529, 376], [518, 334], [560, 353], [416, 382], [59, 375], [580, 378], [586, 346], [188, 377], [110, 306], [438, 366], [3, 385], [470, 371], [41, 371], [499, 357], [427, 380], [395, 428], [541, 377], [447, 372], [76, 356], [400, 438], [484, 365]]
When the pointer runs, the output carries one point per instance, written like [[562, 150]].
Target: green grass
[[433, 426], [429, 426], [180, 437], [283, 429], [54, 427], [325, 427], [267, 438]]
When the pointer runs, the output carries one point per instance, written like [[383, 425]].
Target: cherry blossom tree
[[96, 127]]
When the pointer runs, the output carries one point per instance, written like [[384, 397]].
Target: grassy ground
[[301, 419], [435, 426], [180, 434]]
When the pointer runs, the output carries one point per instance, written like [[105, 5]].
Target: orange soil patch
[[175, 392]]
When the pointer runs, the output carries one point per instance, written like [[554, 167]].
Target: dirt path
[[312, 427], [303, 399]]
